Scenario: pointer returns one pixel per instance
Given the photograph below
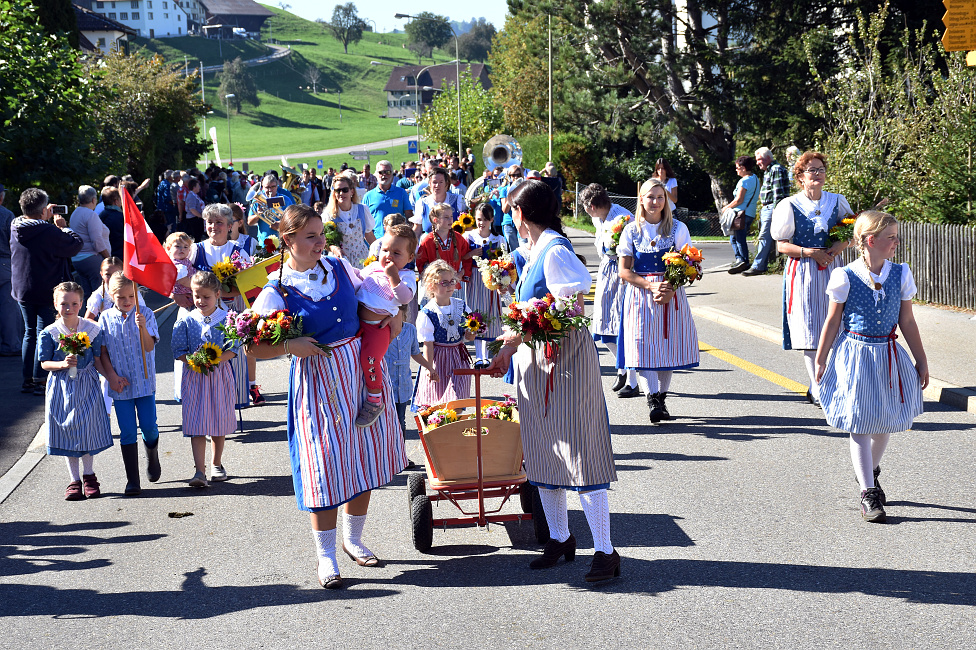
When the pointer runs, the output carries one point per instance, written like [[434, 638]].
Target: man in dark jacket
[[40, 256]]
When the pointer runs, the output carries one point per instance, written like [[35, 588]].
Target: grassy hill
[[290, 118]]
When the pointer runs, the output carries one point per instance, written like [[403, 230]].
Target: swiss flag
[[144, 260]]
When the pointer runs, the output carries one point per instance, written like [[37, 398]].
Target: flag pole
[[142, 346]]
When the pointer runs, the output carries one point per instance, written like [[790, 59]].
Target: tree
[[313, 76], [58, 17], [519, 76], [346, 25], [481, 117], [237, 79], [475, 44], [426, 32]]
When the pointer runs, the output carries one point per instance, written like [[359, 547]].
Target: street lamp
[[457, 71], [230, 148], [206, 153]]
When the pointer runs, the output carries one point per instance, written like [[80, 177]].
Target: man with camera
[[41, 248]]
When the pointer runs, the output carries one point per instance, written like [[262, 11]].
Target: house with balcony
[[411, 88], [147, 18]]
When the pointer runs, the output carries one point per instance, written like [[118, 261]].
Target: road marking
[[759, 371]]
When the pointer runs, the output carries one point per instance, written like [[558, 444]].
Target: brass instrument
[[500, 151], [270, 209]]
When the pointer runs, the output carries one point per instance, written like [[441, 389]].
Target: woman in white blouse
[[352, 218], [562, 411], [800, 226]]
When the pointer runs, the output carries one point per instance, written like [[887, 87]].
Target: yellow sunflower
[[223, 269], [466, 221], [212, 351], [84, 340]]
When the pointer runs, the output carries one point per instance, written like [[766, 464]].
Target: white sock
[[252, 384], [596, 507], [649, 381], [88, 464], [481, 350], [325, 546], [862, 460], [556, 512], [352, 534], [879, 442], [632, 378], [73, 467], [810, 361], [664, 380]]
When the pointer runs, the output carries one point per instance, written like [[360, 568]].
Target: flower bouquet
[[546, 320], [497, 273], [75, 344], [252, 329], [611, 237], [475, 322], [435, 417], [457, 227], [843, 231], [333, 236], [466, 221], [682, 267], [269, 249], [369, 260], [503, 410], [205, 359]]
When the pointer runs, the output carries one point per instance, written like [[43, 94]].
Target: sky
[[382, 11]]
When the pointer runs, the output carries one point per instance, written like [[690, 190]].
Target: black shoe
[[130, 458], [871, 508], [628, 391], [656, 404], [620, 383], [813, 400], [664, 407], [481, 365], [552, 552], [753, 271], [39, 387], [604, 567], [739, 268], [877, 473], [27, 387]]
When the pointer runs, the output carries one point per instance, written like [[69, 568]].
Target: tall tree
[[475, 44], [58, 17], [346, 25], [518, 75], [481, 117], [426, 34], [237, 79]]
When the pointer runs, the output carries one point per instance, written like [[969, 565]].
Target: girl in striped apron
[[208, 400], [800, 225], [609, 288], [658, 331], [868, 386], [333, 463], [442, 337], [476, 295], [75, 416], [562, 411]]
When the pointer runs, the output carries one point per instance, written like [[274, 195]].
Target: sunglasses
[[384, 172], [342, 190], [447, 283]]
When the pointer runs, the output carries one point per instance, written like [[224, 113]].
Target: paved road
[[338, 150], [737, 522]]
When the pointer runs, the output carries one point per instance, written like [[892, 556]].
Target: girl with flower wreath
[[208, 392]]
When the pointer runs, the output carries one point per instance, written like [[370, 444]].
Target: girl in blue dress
[[868, 386], [77, 423], [658, 334]]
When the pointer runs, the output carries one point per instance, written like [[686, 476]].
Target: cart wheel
[[539, 518], [416, 485], [422, 522], [526, 492]]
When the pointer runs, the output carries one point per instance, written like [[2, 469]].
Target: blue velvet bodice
[[649, 255]]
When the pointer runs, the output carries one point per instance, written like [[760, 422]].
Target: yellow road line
[[759, 371]]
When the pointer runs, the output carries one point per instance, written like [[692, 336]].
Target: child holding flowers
[[478, 296], [208, 382], [440, 328], [77, 423], [868, 386], [658, 332]]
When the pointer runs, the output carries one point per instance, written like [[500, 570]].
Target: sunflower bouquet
[[611, 237], [843, 231], [466, 221], [206, 359], [504, 410], [333, 236], [475, 322], [369, 260], [75, 344], [252, 329], [682, 267], [497, 273], [224, 270]]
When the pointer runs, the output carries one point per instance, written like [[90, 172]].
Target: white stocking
[[879, 442], [649, 381], [480, 350], [325, 546], [352, 534], [810, 361], [632, 378], [861, 458], [664, 379], [556, 512], [73, 468], [596, 507], [88, 464]]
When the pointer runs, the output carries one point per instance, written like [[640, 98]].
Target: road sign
[[411, 146], [359, 155], [378, 152], [319, 164], [960, 24]]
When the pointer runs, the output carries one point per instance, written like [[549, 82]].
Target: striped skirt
[[870, 386], [177, 364], [805, 302], [332, 460], [208, 402], [448, 387], [480, 298], [239, 366], [563, 415], [77, 423], [606, 301], [653, 336]]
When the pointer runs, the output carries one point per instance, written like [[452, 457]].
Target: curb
[[937, 390], [32, 457]]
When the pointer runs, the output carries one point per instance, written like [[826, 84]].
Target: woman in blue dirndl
[[868, 386], [334, 463], [562, 412]]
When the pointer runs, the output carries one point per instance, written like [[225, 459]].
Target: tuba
[[500, 151]]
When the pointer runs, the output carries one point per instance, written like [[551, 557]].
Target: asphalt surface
[[737, 522]]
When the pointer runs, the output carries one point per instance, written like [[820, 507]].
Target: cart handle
[[478, 371]]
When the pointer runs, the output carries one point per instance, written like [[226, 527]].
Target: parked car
[[408, 122]]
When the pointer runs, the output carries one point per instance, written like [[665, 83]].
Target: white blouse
[[839, 286], [565, 274], [425, 327], [783, 226], [310, 282], [649, 234]]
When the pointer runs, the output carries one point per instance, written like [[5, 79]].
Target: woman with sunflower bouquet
[[208, 382]]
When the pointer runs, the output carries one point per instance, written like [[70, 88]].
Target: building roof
[[89, 21], [235, 8], [401, 77]]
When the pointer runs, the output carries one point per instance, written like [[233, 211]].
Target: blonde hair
[[871, 222], [440, 209], [206, 280], [667, 221], [435, 270], [177, 237], [294, 219], [118, 282], [332, 208]]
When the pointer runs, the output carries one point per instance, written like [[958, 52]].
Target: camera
[[59, 209]]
